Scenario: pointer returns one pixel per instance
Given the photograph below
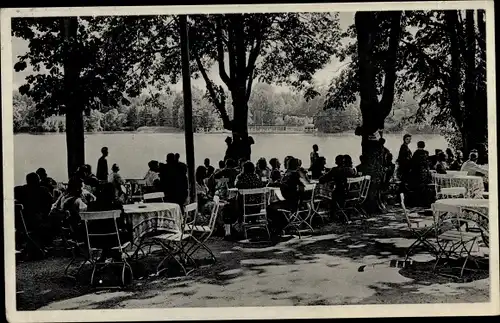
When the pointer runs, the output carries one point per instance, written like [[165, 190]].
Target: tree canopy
[[441, 60]]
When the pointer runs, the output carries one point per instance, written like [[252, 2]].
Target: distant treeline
[[267, 107]]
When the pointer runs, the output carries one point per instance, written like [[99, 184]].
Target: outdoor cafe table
[[473, 184], [459, 206], [481, 205], [274, 191], [147, 217]]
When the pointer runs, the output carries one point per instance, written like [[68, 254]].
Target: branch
[[218, 104], [433, 63], [254, 53], [390, 66], [220, 54]]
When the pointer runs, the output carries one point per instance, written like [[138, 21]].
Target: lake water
[[133, 151]]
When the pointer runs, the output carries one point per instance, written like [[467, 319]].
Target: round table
[[147, 217], [481, 205], [448, 208], [473, 184]]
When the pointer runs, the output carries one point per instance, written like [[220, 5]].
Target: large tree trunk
[[373, 111], [75, 140]]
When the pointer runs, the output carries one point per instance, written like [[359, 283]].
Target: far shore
[[218, 132]]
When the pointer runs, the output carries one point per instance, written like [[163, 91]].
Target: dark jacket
[[102, 169]]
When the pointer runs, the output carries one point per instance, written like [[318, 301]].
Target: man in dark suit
[[102, 165]]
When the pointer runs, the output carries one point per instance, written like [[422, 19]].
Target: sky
[[323, 76]]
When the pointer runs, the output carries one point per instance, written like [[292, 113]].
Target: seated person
[[262, 170], [209, 168], [204, 199], [248, 179], [117, 180], [420, 176], [338, 175], [318, 168], [230, 172], [472, 168], [68, 207], [36, 201], [292, 189], [45, 180], [153, 173], [89, 180], [349, 164], [458, 161], [441, 165], [275, 177], [302, 172]]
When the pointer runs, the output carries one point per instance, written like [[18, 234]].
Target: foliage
[[286, 48], [424, 66]]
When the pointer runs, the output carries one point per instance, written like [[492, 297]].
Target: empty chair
[[105, 235], [201, 233], [421, 227], [254, 203]]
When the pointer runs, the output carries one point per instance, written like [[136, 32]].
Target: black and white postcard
[[250, 161]]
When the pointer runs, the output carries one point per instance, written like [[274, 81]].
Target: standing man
[[102, 165], [314, 155], [404, 159]]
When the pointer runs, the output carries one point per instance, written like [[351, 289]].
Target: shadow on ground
[[337, 265]]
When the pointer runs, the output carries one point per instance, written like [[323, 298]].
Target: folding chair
[[114, 240], [154, 197], [421, 228], [201, 233], [173, 243], [73, 244], [315, 205], [356, 194], [454, 240], [448, 191], [255, 202], [24, 235]]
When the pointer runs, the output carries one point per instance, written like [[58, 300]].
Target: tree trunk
[[373, 111], [75, 140], [373, 152]]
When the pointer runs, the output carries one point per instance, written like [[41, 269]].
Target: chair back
[[252, 198], [153, 197], [190, 213], [355, 187], [102, 215], [19, 222], [215, 212], [365, 187], [405, 212], [477, 222]]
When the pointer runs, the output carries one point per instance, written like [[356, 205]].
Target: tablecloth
[[148, 217], [473, 184]]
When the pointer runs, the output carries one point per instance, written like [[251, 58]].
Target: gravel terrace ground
[[335, 266]]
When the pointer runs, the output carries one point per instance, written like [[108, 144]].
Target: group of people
[[414, 168], [85, 191], [244, 174]]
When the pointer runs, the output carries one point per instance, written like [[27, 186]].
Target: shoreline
[[345, 133]]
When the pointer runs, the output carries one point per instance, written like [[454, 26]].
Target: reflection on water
[[133, 151]]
